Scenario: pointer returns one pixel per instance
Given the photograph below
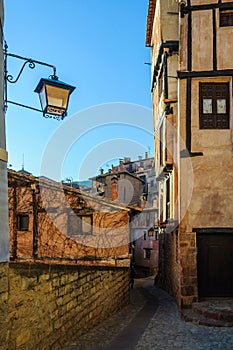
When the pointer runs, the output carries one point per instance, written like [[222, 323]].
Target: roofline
[[59, 186], [135, 161], [116, 173], [150, 21]]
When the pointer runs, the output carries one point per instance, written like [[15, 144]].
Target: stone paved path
[[152, 322]]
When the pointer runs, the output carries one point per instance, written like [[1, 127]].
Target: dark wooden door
[[215, 264]]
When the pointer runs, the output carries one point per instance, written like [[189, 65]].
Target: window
[[23, 222], [161, 84], [168, 199], [79, 224], [161, 143], [226, 18], [147, 253], [214, 105], [151, 232], [144, 235], [147, 219]]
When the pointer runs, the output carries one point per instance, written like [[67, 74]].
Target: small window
[[147, 253], [147, 219], [86, 224], [161, 143], [226, 18], [23, 222], [151, 232], [144, 235], [161, 84], [79, 224], [214, 105]]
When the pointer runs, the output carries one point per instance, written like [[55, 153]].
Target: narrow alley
[[151, 322]]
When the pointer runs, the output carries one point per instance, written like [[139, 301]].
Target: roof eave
[[150, 21]]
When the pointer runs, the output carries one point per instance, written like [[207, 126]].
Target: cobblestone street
[[152, 321]]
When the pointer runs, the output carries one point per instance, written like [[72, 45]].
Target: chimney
[[127, 160], [146, 155], [114, 181]]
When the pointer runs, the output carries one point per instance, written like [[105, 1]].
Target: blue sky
[[97, 46]]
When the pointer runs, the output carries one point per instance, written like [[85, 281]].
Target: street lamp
[[53, 93], [54, 96]]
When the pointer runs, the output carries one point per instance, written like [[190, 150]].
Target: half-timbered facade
[[192, 69]]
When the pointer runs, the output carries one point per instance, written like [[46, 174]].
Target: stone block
[[23, 338]]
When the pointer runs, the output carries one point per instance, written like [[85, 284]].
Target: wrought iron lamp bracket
[[31, 63], [10, 79]]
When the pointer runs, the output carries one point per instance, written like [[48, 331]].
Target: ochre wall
[[47, 304]]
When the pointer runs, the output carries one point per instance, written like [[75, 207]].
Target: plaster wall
[[202, 45], [211, 173]]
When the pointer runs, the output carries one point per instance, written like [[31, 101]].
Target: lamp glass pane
[[43, 100], [57, 97]]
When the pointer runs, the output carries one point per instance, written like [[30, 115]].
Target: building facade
[[133, 182], [144, 239], [119, 186], [50, 222], [191, 46]]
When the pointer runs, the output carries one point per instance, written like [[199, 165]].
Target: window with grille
[[214, 105], [226, 18]]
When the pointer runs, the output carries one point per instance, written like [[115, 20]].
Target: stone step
[[200, 319], [215, 309]]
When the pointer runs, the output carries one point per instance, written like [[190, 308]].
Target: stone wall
[[177, 266], [3, 305], [169, 271], [47, 304], [188, 262]]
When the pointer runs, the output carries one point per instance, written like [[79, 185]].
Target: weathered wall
[[169, 267], [49, 303], [50, 208], [129, 188], [3, 305], [201, 188]]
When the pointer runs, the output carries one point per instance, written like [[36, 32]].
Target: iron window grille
[[214, 105]]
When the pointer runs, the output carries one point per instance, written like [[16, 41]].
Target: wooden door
[[215, 264]]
